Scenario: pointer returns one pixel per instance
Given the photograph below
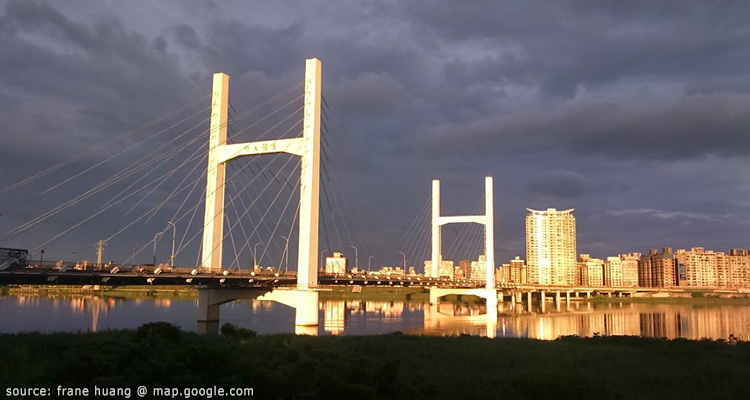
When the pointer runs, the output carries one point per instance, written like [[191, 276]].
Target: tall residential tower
[[551, 247]]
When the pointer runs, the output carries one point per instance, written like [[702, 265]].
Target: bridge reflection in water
[[356, 317]]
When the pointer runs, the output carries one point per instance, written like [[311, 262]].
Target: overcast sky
[[634, 113]]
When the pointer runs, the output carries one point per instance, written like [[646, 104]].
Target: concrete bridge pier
[[528, 300], [491, 322], [490, 295], [210, 299], [557, 301], [304, 301], [518, 297], [543, 300]]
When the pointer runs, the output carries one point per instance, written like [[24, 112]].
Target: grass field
[[380, 367]]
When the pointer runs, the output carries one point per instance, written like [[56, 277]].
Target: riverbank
[[116, 292], [386, 366], [375, 293], [673, 300]]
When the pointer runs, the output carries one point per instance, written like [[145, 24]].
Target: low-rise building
[[337, 264]]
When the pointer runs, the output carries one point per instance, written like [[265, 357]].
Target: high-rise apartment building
[[630, 269], [479, 269], [738, 266], [513, 272], [613, 272], [446, 269], [551, 247], [657, 269], [591, 271], [699, 267]]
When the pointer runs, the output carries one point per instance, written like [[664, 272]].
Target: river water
[[23, 313]]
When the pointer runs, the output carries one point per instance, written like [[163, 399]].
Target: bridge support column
[[543, 300], [528, 300], [491, 323], [210, 300], [489, 295], [518, 296], [557, 300], [305, 302]]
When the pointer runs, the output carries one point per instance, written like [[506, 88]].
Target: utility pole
[[99, 253]]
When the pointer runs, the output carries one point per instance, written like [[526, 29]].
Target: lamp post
[[174, 233], [403, 254], [322, 266], [286, 253], [356, 257], [156, 238], [255, 253], [369, 259], [41, 259]]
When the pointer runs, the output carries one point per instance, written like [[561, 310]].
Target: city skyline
[[635, 118]]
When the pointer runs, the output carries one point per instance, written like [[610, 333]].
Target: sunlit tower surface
[[551, 247], [307, 147]]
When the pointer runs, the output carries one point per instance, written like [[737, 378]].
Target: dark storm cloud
[[238, 48], [562, 184], [561, 46], [97, 78], [686, 128], [186, 36]]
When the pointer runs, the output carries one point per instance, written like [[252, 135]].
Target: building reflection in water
[[373, 317], [80, 305]]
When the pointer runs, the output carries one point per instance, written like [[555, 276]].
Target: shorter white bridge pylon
[[487, 220]]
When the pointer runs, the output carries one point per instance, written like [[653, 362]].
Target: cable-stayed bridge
[[250, 173]]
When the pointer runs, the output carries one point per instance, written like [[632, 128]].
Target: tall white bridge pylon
[[307, 147]]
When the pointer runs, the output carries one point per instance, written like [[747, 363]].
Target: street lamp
[[255, 253], [404, 259], [286, 253], [369, 259], [322, 266], [156, 238], [356, 257], [174, 233]]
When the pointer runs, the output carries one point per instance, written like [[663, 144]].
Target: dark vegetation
[[380, 367]]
